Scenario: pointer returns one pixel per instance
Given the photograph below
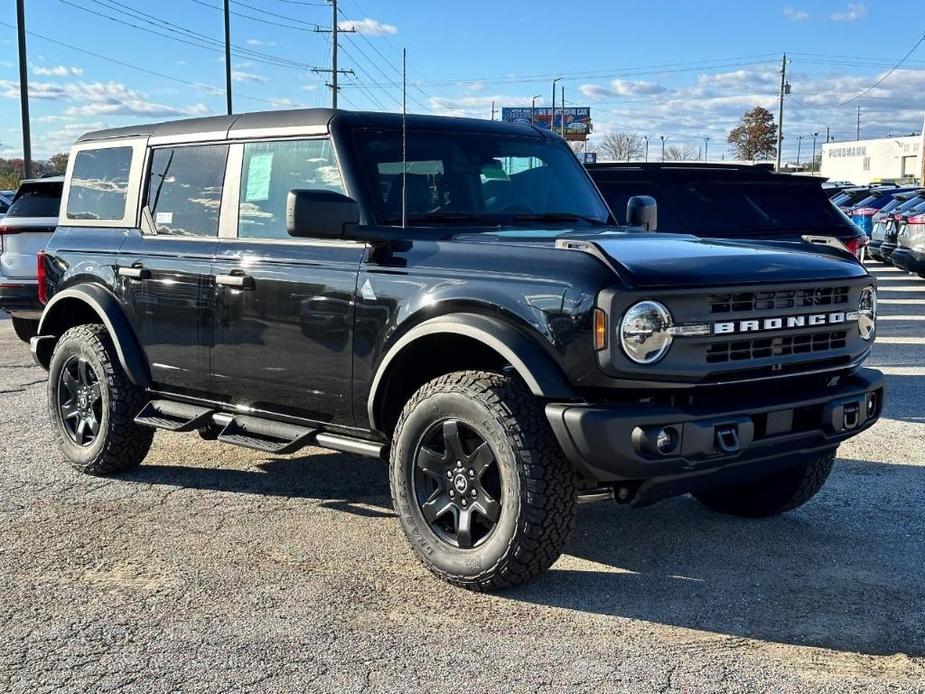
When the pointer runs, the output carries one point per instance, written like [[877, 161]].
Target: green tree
[[755, 137]]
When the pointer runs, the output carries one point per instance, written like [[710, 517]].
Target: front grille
[[762, 348], [778, 299]]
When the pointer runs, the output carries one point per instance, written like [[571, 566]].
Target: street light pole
[[228, 57], [706, 149], [533, 109], [799, 146], [646, 138], [24, 90], [813, 167], [552, 117], [663, 138]]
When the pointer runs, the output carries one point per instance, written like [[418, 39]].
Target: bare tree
[[621, 146], [681, 153]]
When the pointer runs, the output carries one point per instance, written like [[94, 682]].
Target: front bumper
[[910, 260], [616, 444], [20, 298]]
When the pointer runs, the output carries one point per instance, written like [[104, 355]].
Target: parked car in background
[[862, 213], [5, 202], [24, 231], [892, 223], [910, 242], [880, 220], [730, 201]]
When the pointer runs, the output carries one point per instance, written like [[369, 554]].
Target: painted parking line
[[901, 302], [896, 278], [910, 288], [917, 318], [900, 341]]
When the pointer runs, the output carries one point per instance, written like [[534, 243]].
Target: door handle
[[237, 281], [135, 272]]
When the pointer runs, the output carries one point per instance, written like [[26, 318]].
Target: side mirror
[[642, 211], [321, 214]]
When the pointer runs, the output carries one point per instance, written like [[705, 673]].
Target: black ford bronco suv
[[453, 296]]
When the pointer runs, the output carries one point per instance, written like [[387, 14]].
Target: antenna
[[404, 138]]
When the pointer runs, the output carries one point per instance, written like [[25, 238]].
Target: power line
[[256, 19], [891, 71]]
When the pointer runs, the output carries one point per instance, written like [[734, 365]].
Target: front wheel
[[774, 494], [482, 490], [93, 404]]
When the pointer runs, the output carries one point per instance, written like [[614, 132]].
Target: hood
[[660, 260]]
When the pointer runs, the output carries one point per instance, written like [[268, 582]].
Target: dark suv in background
[[747, 203], [459, 302]]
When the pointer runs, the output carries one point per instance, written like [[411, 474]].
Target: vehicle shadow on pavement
[[339, 481], [843, 572]]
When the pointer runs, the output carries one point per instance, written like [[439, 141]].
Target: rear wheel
[[25, 328], [93, 404], [482, 490], [774, 494]]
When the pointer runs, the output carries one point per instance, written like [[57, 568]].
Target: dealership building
[[871, 161]]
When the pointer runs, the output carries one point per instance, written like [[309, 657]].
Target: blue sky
[[686, 70]]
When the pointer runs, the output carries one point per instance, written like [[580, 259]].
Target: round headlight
[[867, 313], [644, 332]]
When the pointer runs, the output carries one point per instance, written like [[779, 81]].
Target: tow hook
[[852, 417], [727, 438]]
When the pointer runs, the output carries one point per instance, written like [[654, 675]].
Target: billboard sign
[[577, 119]]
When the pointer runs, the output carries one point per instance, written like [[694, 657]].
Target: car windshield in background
[[37, 201], [478, 178], [729, 207]]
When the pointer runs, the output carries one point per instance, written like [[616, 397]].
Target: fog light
[[667, 440], [871, 404]]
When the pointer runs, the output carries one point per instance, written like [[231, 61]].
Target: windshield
[[477, 178]]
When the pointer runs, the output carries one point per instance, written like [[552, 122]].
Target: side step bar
[[260, 434], [174, 416], [266, 435]]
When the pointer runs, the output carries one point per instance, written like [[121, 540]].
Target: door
[[166, 272], [283, 326]]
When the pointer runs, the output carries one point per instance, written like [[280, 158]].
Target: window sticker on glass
[[259, 169], [163, 218]]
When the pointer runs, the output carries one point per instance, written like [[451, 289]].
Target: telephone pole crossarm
[[334, 71]]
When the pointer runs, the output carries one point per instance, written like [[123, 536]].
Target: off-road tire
[[538, 484], [25, 328], [774, 494], [120, 444]]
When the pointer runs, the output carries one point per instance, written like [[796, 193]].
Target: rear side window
[[270, 171], [37, 201], [99, 184], [185, 189]]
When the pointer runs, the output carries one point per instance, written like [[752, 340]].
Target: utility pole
[[646, 138], [492, 109], [228, 56], [784, 89], [858, 133], [562, 113], [334, 71], [706, 149], [799, 145], [552, 118], [533, 109], [663, 138], [24, 90]]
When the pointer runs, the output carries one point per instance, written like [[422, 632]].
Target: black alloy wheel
[[457, 484], [80, 404]]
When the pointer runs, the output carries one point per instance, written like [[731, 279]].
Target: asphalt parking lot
[[213, 568]]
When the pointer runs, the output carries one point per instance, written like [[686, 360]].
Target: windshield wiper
[[447, 217], [558, 217]]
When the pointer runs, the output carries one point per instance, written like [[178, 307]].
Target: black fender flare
[[110, 313], [533, 364]]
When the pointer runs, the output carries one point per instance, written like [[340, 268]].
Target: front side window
[[185, 189], [270, 171], [99, 184], [477, 177]]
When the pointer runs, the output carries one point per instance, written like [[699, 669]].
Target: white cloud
[[621, 87], [258, 42], [855, 11], [57, 71], [239, 76], [796, 15], [368, 26]]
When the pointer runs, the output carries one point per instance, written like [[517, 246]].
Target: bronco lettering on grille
[[780, 323]]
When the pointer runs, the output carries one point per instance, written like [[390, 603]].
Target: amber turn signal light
[[600, 329]]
